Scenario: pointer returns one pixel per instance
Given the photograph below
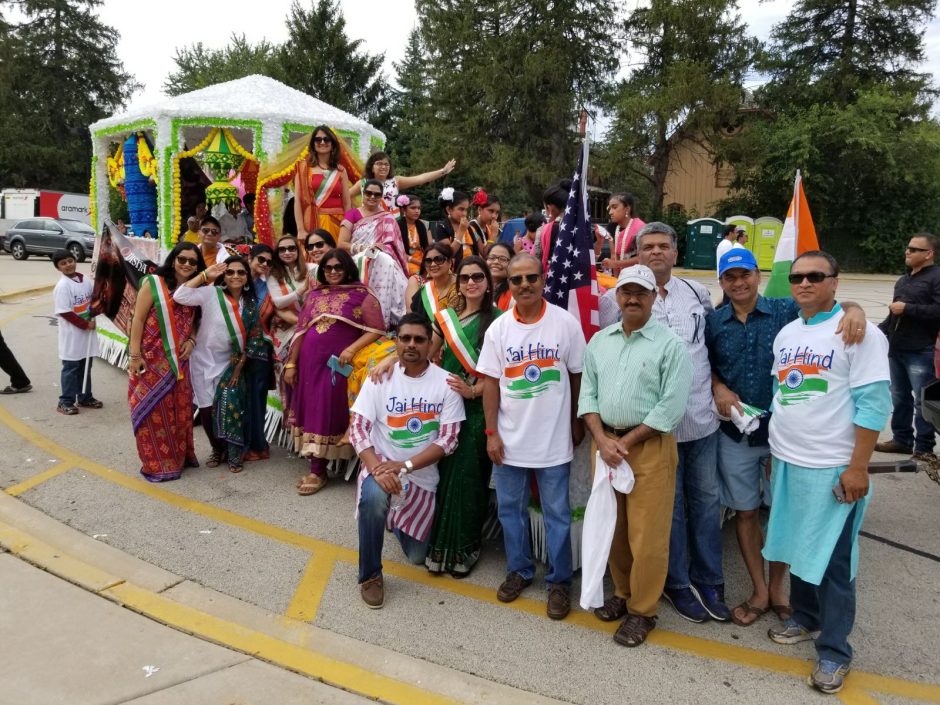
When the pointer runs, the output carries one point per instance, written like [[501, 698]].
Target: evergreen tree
[[198, 67], [409, 106], [58, 76], [693, 58]]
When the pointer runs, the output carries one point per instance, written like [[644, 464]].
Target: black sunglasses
[[811, 277], [315, 245], [322, 140], [266, 261], [916, 249], [416, 339], [209, 231], [436, 259], [327, 268], [236, 273], [475, 277], [372, 194], [287, 248], [530, 279], [190, 261]]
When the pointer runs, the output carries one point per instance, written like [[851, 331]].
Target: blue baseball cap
[[736, 258]]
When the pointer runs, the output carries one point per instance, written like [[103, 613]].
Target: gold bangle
[[205, 277], [290, 365]]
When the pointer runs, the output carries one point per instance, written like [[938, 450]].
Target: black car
[[43, 236]]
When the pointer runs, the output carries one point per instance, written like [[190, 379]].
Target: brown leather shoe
[[512, 587], [634, 630], [559, 601], [613, 609], [372, 592], [893, 446]]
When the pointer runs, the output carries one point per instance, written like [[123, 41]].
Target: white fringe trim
[[112, 351]]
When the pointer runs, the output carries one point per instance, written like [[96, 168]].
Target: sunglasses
[[236, 273], [436, 259], [476, 277], [497, 258], [209, 231], [315, 245], [328, 268], [264, 261], [287, 248], [529, 278], [372, 194], [811, 277], [188, 261], [416, 339], [322, 140], [916, 249]]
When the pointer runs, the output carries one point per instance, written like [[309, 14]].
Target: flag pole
[[796, 206], [87, 360]]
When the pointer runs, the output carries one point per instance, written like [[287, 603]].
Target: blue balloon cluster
[[141, 194]]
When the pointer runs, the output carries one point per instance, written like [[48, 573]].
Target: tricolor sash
[[163, 306], [326, 186], [457, 340], [429, 299], [364, 263], [233, 320]]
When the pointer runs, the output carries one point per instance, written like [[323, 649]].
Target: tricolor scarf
[[163, 306], [429, 298], [233, 321], [457, 340], [326, 186]]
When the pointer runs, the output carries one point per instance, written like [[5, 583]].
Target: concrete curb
[[208, 615], [19, 293]]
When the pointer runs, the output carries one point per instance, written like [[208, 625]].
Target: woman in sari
[[339, 318], [159, 392], [454, 228], [620, 208], [498, 262], [414, 233], [229, 333], [483, 230], [379, 166], [369, 226], [317, 244], [321, 186], [435, 285]]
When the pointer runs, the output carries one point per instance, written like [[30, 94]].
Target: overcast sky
[[150, 36]]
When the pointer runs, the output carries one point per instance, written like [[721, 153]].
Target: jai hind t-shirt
[[74, 296], [813, 411], [532, 362], [407, 414]]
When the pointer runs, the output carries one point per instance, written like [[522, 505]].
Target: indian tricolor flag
[[412, 429], [530, 378], [799, 236]]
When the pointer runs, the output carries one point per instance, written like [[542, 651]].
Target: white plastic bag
[[600, 519]]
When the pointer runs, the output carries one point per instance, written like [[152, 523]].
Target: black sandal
[[613, 609], [634, 630]]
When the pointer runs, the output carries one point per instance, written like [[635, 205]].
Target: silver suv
[[43, 236]]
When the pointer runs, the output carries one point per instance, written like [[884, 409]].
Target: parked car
[[43, 236]]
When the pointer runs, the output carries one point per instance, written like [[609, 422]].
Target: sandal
[[749, 610], [613, 609], [235, 467], [311, 484], [215, 458], [634, 630], [784, 612]]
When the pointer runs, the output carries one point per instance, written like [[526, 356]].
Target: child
[[77, 337]]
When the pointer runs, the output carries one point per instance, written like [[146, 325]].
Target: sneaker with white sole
[[791, 633], [828, 676]]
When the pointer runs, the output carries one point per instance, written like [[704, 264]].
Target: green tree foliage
[[409, 106], [198, 67], [692, 57], [58, 74], [507, 80]]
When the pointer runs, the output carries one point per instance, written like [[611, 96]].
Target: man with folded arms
[[634, 389]]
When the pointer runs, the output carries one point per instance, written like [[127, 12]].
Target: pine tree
[[60, 77], [409, 105], [198, 67]]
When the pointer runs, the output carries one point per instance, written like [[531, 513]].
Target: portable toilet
[[702, 238], [767, 232], [748, 224]]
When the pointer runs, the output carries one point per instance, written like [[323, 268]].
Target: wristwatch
[[409, 466]]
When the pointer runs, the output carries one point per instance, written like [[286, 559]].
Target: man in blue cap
[[740, 339]]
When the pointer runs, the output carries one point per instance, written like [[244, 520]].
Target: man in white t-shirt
[[729, 240], [532, 358], [401, 428], [77, 337], [830, 403]]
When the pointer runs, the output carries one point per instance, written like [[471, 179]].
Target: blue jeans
[[829, 606], [911, 371], [512, 496], [73, 374], [373, 509], [695, 539], [257, 375]]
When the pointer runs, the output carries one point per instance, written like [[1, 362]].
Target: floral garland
[[263, 207], [92, 195]]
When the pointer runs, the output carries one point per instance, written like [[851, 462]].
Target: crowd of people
[[433, 358]]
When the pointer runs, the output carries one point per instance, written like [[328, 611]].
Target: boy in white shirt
[[77, 337]]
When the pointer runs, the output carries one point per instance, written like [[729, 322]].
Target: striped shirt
[[640, 379]]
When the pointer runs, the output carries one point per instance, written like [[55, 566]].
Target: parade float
[[210, 145]]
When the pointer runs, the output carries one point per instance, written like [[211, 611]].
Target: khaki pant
[[639, 553]]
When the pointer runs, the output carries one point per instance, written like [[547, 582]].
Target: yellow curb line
[[697, 646], [18, 293], [309, 592], [852, 695]]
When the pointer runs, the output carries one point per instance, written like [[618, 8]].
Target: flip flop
[[749, 609], [783, 612], [311, 485]]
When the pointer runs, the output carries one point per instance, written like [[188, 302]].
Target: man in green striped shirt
[[634, 388]]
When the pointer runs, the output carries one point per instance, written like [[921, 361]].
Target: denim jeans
[[73, 374], [695, 539], [512, 496], [911, 371], [373, 509], [257, 375], [829, 606]]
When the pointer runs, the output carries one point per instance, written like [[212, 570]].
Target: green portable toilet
[[767, 232], [702, 237], [748, 224]]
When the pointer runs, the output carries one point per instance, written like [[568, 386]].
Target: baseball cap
[[740, 229], [637, 274], [736, 258]]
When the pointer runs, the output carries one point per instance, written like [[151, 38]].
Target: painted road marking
[[306, 601], [697, 646]]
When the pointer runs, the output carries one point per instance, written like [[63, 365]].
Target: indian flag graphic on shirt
[[800, 383], [83, 309], [412, 428], [529, 378]]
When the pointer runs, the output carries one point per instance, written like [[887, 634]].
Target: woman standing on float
[[483, 230], [321, 185], [620, 209], [379, 166]]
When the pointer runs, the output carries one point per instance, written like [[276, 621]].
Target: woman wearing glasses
[[229, 333], [379, 166], [321, 184], [435, 285], [159, 391], [317, 244], [369, 227], [498, 262], [339, 318]]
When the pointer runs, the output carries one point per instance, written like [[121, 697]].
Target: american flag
[[571, 281]]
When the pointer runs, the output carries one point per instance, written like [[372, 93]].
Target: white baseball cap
[[637, 274]]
